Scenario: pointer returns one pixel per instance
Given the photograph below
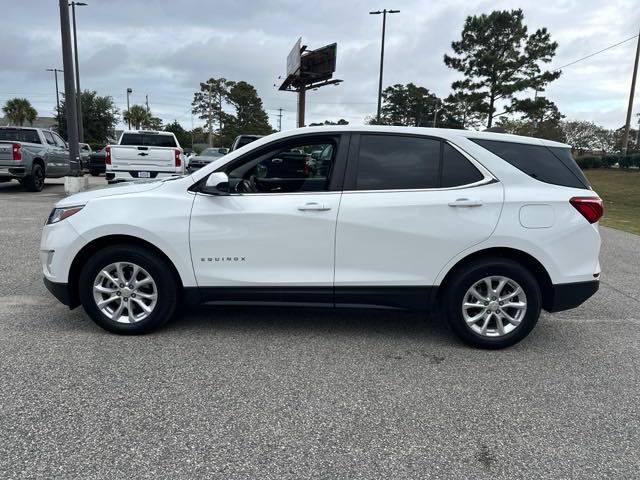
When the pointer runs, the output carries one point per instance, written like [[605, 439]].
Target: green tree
[[251, 117], [583, 135], [99, 118], [540, 118], [184, 137], [136, 115], [208, 103], [19, 111], [342, 121], [499, 59]]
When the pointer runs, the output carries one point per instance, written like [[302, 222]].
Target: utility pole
[[55, 73], [279, 119], [211, 114], [78, 90], [627, 124], [384, 24], [129, 92], [69, 89], [146, 101], [435, 114]]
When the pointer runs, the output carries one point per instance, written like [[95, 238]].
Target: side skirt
[[420, 298]]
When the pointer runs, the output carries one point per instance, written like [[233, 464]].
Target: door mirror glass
[[217, 184]]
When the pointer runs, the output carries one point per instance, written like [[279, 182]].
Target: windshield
[[148, 140], [19, 135], [213, 152]]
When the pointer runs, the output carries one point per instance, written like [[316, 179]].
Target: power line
[[596, 53]]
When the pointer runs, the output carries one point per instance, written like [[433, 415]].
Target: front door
[[277, 226]]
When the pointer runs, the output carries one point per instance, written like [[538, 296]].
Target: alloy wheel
[[125, 292], [494, 306]]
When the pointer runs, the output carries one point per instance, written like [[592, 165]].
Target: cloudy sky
[[164, 48]]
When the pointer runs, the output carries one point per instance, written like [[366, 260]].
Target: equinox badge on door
[[223, 259]]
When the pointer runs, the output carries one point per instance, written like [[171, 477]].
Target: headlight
[[59, 214]]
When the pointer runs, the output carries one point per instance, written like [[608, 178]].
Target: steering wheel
[[246, 186]]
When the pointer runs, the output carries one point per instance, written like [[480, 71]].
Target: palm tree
[[19, 110], [137, 115]]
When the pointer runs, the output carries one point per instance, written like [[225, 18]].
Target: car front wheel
[[493, 303], [127, 290]]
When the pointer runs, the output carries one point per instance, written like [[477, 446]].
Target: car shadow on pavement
[[347, 321]]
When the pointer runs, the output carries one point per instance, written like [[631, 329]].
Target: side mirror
[[217, 184]]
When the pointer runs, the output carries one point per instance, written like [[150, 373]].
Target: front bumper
[[566, 296], [58, 290]]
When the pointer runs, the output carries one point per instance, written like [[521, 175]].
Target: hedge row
[[607, 161]]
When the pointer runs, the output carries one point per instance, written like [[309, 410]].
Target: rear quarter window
[[552, 165]]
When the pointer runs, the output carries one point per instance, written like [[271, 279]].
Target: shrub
[[609, 161], [625, 161]]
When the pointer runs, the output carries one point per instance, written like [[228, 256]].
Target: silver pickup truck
[[31, 154]]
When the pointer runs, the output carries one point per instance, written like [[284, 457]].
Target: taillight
[[17, 153], [591, 208], [107, 155], [178, 159]]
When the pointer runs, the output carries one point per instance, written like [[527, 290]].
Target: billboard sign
[[293, 59]]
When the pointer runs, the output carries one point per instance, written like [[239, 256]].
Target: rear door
[[61, 155], [410, 204]]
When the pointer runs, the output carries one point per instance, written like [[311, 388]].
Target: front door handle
[[465, 202], [318, 207]]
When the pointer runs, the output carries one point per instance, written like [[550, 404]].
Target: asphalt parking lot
[[261, 393]]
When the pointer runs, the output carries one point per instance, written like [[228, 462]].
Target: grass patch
[[620, 190]]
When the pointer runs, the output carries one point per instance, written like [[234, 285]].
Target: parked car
[[242, 140], [96, 164], [30, 155], [144, 154], [491, 228], [207, 156], [85, 153]]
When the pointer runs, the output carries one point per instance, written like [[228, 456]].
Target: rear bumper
[[13, 172], [132, 175], [566, 296]]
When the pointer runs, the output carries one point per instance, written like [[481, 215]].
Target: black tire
[[157, 268], [94, 173], [35, 181], [468, 276]]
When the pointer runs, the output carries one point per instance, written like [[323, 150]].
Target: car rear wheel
[[127, 290], [493, 303], [35, 181], [94, 173]]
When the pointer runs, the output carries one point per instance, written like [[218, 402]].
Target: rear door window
[[49, 138], [392, 162], [549, 165]]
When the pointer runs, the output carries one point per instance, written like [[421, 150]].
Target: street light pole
[[78, 90], [384, 24], [55, 73], [69, 89], [129, 92]]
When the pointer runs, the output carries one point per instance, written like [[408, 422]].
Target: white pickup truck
[[142, 154]]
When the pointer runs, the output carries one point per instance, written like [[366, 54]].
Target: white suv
[[491, 227]]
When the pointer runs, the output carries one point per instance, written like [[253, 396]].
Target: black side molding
[[402, 297], [566, 296]]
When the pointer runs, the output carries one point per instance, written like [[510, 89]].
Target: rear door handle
[[465, 202], [318, 207]]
